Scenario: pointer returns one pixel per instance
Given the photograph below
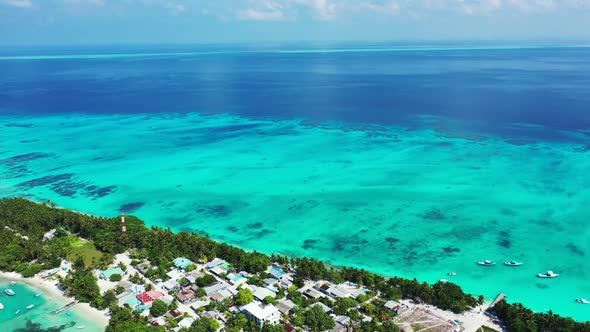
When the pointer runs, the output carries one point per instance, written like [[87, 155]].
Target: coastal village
[[214, 290], [144, 286]]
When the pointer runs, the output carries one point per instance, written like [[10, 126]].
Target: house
[[220, 295], [270, 282], [106, 274], [285, 306], [261, 292], [276, 272], [186, 322], [261, 315], [137, 289], [219, 270], [323, 306], [392, 305], [335, 292], [285, 283], [149, 296], [215, 288], [342, 320], [214, 263], [237, 279], [186, 296], [182, 263], [312, 293], [171, 285], [199, 304], [175, 274], [160, 321]]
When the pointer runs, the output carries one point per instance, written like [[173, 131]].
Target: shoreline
[[85, 311]]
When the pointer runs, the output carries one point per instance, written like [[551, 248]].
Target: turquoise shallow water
[[398, 201], [40, 313]]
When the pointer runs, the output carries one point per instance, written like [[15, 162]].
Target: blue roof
[[106, 274], [182, 262], [137, 289], [132, 302], [276, 272]]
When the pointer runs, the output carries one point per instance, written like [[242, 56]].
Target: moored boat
[[9, 292], [17, 312], [487, 262], [583, 301], [1, 306], [12, 283], [549, 274], [452, 274], [30, 306], [513, 263], [80, 327]]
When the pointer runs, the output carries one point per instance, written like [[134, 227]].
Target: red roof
[[149, 296]]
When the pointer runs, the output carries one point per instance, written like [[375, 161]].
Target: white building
[[267, 314]]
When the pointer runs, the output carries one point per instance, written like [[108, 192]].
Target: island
[[152, 279]]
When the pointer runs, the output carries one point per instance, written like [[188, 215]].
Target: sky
[[73, 22]]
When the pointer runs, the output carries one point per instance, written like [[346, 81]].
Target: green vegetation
[[206, 280], [158, 308], [520, 319], [115, 277], [244, 296], [317, 320], [84, 249], [485, 329]]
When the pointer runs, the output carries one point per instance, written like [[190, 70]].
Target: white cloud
[[388, 7], [324, 9], [263, 10], [18, 3]]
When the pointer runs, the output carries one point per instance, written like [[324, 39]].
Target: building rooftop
[[182, 262], [261, 313], [262, 292], [214, 263], [321, 305], [276, 272], [149, 296], [106, 274], [285, 306]]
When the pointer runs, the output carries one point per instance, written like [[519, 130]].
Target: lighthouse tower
[[123, 226]]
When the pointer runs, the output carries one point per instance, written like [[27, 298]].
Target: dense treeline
[[20, 217], [517, 318]]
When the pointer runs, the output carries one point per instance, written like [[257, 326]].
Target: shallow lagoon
[[398, 201], [40, 313]]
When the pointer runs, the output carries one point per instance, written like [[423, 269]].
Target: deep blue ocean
[[490, 89], [410, 160]]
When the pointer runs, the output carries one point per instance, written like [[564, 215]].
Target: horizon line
[[286, 51]]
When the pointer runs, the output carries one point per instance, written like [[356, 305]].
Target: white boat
[[1, 306], [80, 327], [452, 274], [443, 280], [513, 263], [583, 301], [486, 263], [37, 295], [9, 292], [549, 274], [12, 283], [17, 312], [30, 306]]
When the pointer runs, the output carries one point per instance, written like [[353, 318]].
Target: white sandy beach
[[48, 287]]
